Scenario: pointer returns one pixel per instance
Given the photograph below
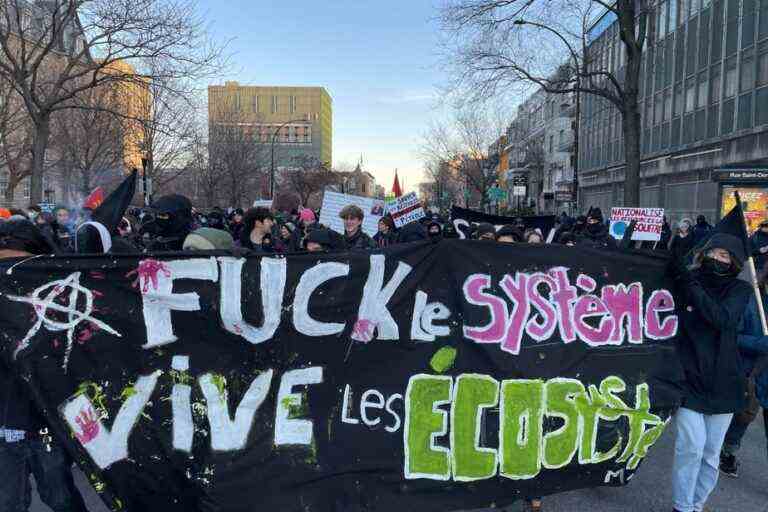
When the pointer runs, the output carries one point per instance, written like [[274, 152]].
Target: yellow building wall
[[134, 100], [274, 106]]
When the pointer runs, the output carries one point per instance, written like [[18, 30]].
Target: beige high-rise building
[[302, 117]]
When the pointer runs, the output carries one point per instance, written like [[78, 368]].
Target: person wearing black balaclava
[[435, 231], [169, 223], [595, 233], [27, 446], [710, 304], [580, 225]]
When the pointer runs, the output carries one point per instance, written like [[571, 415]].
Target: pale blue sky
[[378, 60]]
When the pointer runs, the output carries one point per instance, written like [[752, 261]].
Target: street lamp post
[[272, 167]]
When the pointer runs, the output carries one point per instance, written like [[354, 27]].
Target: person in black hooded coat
[[759, 244], [711, 301], [595, 233]]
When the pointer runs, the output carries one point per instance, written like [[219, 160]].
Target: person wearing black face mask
[[595, 232], [166, 228], [711, 302]]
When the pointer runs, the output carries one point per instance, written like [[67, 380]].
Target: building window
[[678, 109], [762, 69], [703, 89], [293, 104], [255, 103], [672, 15], [3, 183], [747, 75], [730, 85], [667, 104], [714, 89], [27, 188], [274, 104], [690, 96]]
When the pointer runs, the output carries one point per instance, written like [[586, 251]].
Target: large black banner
[[462, 218], [430, 377]]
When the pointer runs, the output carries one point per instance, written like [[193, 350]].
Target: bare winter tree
[[52, 51], [15, 139], [89, 142], [168, 130], [497, 45], [307, 177], [442, 179], [462, 143], [238, 156]]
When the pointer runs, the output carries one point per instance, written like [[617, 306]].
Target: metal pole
[[575, 195]]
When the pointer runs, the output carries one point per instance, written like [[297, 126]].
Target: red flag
[[95, 199], [396, 190]]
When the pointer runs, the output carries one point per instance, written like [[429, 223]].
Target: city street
[[650, 491]]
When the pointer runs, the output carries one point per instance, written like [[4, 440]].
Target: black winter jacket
[[710, 310], [17, 411], [360, 241]]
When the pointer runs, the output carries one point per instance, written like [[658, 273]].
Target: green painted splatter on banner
[[443, 360]]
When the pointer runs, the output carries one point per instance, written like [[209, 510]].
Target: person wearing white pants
[[710, 305], [697, 457]]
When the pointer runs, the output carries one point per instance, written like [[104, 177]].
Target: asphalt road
[[649, 491]]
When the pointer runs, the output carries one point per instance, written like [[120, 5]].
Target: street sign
[[754, 174]]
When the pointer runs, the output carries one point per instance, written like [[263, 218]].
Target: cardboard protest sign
[[405, 209], [650, 222], [428, 376], [334, 202], [262, 203]]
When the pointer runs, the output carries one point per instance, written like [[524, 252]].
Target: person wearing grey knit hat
[[208, 239]]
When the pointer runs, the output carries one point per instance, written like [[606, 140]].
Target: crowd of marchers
[[721, 344]]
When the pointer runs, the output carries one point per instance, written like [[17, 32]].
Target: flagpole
[[753, 278]]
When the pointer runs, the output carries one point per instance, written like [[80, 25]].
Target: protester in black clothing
[[485, 231], [325, 240], [533, 236], [289, 237], [26, 443], [702, 230], [509, 235], [580, 225], [434, 230], [236, 224], [354, 235], [449, 231], [567, 239], [386, 235], [710, 305], [257, 232], [682, 243], [412, 232], [759, 244], [169, 223], [596, 233]]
